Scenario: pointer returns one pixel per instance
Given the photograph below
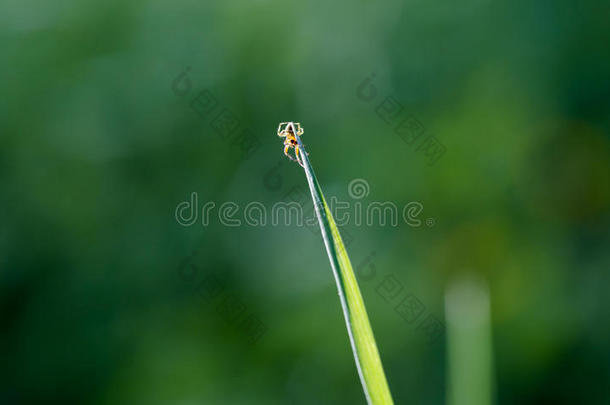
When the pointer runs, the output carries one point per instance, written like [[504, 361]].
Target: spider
[[286, 130]]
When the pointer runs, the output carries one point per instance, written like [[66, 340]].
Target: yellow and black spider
[[287, 130]]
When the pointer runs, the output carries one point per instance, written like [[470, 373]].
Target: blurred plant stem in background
[[469, 343]]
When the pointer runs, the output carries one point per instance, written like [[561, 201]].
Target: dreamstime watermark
[[228, 305], [291, 213], [223, 121], [406, 126], [405, 303]]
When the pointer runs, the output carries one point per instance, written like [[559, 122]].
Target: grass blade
[[359, 329], [469, 342]]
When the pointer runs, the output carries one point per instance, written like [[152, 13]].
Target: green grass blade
[[359, 329], [469, 342]]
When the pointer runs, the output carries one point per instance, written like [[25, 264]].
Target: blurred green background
[[106, 299]]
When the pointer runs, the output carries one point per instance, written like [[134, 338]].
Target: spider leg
[[282, 132], [301, 151], [297, 128], [297, 152], [286, 149]]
